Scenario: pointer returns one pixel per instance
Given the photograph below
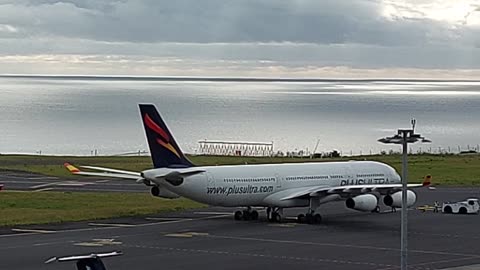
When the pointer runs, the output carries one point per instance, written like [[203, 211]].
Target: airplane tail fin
[[163, 148], [427, 180]]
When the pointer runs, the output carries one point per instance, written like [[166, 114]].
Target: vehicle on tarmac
[[361, 184], [469, 206]]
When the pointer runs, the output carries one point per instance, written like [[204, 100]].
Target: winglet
[[71, 168], [427, 181]]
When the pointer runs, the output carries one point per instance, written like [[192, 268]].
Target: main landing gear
[[274, 214], [247, 214], [310, 217]]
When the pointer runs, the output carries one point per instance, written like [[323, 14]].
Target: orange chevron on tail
[[427, 180], [71, 168]]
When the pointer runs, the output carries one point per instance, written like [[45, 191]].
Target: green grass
[[445, 169], [18, 208]]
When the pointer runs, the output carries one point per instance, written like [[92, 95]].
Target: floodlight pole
[[403, 235], [403, 137]]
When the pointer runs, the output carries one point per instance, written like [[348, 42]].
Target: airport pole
[[403, 137], [403, 261]]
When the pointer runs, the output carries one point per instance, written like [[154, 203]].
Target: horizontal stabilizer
[[81, 257], [104, 172], [110, 170]]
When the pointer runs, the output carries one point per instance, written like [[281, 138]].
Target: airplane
[[362, 184]]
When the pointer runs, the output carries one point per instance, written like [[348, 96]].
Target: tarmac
[[209, 238]]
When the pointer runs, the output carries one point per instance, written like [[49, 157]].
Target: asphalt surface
[[14, 180], [211, 239]]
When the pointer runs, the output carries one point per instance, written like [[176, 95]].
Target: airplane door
[[210, 180], [349, 175], [278, 181]]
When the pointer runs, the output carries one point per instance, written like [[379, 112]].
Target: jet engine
[[395, 199], [365, 202], [163, 193]]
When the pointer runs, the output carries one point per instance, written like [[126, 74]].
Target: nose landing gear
[[274, 214]]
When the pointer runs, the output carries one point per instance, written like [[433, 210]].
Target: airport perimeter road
[[211, 239], [13, 180]]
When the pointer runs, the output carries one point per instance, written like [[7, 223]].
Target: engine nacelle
[[365, 202], [395, 199], [163, 193]]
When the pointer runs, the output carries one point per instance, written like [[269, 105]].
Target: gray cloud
[[206, 21], [236, 34]]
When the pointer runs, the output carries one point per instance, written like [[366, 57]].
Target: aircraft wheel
[[376, 210], [238, 215], [317, 219], [246, 215], [254, 215], [301, 218], [276, 217]]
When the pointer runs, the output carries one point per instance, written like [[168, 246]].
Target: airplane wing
[[350, 190], [104, 172]]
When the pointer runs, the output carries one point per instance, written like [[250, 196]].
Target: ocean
[[75, 115]]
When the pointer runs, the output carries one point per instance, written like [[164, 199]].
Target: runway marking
[[44, 185], [102, 181], [86, 244], [73, 184], [62, 184], [108, 190], [477, 266], [45, 244], [186, 234], [212, 213], [161, 218], [198, 234], [112, 225], [283, 225], [23, 182], [182, 235], [267, 256], [464, 267], [213, 217], [32, 231], [341, 245], [446, 261], [99, 243], [42, 178], [43, 189]]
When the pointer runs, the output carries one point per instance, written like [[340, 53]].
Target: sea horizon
[[76, 115]]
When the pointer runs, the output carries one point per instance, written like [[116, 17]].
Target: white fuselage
[[265, 185]]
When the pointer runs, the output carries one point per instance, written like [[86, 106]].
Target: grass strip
[[20, 208]]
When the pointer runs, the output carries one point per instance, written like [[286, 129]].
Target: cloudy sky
[[261, 38]]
